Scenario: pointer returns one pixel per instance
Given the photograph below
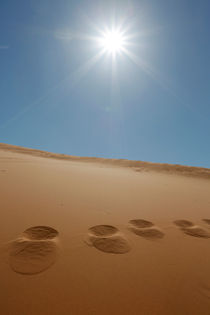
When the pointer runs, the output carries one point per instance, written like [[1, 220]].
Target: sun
[[112, 41]]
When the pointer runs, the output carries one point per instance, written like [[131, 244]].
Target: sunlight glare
[[112, 41]]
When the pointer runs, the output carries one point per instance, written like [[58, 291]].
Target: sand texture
[[97, 236]]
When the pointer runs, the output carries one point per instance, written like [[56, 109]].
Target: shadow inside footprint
[[32, 257], [150, 233], [103, 230], [3, 171], [196, 232], [40, 233], [206, 221], [183, 223], [140, 223], [114, 245]]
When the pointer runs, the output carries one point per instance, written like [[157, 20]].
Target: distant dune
[[136, 165], [83, 235]]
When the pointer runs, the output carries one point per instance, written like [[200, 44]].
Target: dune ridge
[[137, 166]]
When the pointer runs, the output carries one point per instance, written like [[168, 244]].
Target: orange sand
[[98, 236]]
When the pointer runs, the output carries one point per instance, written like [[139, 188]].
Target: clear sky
[[149, 102]]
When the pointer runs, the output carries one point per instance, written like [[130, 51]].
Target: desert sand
[[102, 236]]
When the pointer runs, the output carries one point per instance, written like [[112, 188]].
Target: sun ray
[[68, 82], [146, 68], [155, 76]]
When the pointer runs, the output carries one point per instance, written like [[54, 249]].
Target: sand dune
[[99, 236], [135, 165]]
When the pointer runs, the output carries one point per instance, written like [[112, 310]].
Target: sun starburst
[[112, 41]]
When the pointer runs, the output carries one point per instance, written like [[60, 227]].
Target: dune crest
[[137, 166]]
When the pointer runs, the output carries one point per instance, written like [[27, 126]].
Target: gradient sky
[[56, 94]]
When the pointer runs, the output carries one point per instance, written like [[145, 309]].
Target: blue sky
[[152, 105]]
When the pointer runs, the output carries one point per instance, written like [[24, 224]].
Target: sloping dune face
[[98, 236]]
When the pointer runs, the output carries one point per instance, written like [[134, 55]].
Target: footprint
[[145, 229], [108, 239], [183, 223], [40, 233], [32, 257], [3, 170], [149, 233], [190, 229], [207, 221], [114, 245], [35, 251], [197, 232]]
